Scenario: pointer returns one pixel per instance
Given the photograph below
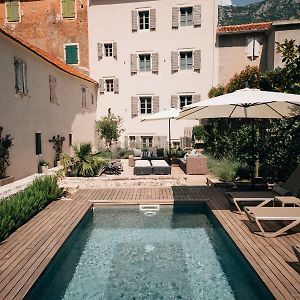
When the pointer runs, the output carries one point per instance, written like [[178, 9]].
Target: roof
[[48, 57], [244, 28]]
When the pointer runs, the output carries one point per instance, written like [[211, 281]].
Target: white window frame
[[78, 51], [185, 95], [20, 15], [139, 62], [105, 85], [186, 7], [140, 105], [104, 49], [138, 20], [179, 59]]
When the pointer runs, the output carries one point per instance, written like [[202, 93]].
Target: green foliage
[[5, 145], [84, 163], [121, 153], [224, 169], [57, 142], [198, 132], [43, 163], [216, 91], [109, 128], [19, 208]]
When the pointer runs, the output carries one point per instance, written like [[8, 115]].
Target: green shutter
[[68, 8], [72, 54], [12, 11]]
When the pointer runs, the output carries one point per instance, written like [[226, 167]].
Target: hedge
[[19, 208]]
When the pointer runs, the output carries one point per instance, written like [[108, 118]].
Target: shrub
[[19, 208], [5, 145], [57, 142]]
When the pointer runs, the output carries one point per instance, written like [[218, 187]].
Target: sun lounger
[[296, 249], [160, 167], [258, 214], [290, 187], [142, 167]]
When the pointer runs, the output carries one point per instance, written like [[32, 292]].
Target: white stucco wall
[[110, 21], [23, 116]]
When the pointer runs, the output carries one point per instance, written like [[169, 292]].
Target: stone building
[[56, 26]]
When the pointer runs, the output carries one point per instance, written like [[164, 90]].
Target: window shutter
[[101, 86], [18, 75], [174, 101], [9, 12], [133, 64], [52, 84], [152, 19], [155, 101], [71, 54], [13, 13], [116, 85], [197, 61], [134, 107], [175, 17], [155, 63], [68, 8], [72, 8], [115, 50], [196, 98], [174, 62], [197, 15], [256, 51], [134, 21], [249, 50], [64, 8], [160, 141], [100, 51]]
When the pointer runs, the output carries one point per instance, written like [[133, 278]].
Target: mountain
[[267, 10]]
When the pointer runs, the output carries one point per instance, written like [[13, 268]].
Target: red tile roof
[[245, 27], [48, 57]]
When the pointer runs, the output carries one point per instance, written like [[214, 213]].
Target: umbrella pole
[[169, 137], [253, 151]]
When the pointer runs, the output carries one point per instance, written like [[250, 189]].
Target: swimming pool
[[121, 252]]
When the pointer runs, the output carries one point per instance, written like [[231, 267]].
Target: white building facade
[[149, 56]]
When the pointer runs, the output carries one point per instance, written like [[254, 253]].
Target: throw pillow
[[160, 152]]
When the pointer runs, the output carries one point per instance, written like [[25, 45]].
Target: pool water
[[181, 252]]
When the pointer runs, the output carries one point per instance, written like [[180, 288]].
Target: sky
[[237, 2]]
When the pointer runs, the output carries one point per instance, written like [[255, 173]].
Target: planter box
[[6, 180], [43, 169]]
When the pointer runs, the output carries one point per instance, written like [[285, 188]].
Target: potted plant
[[57, 142], [5, 145], [43, 166]]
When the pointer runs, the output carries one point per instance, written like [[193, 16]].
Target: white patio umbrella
[[167, 114], [245, 103]]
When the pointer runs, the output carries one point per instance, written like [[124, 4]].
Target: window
[[109, 85], [70, 139], [145, 62], [144, 19], [108, 50], [186, 60], [68, 9], [185, 100], [71, 54], [20, 77], [145, 105], [38, 143], [186, 16], [12, 9], [147, 141], [252, 48], [83, 97], [92, 98]]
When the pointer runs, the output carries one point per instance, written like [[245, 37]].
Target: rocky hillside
[[267, 10]]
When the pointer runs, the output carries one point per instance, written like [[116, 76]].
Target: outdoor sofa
[[156, 167], [142, 167], [194, 164], [147, 154]]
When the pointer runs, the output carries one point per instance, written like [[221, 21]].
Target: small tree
[[57, 142], [109, 128], [5, 145]]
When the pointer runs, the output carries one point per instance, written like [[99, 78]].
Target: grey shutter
[[174, 101], [174, 62], [134, 107], [115, 50], [52, 85], [160, 141], [197, 61], [196, 98], [155, 104], [175, 17], [116, 85], [155, 63], [24, 73], [101, 86], [197, 15], [134, 20], [100, 51], [133, 64], [152, 19]]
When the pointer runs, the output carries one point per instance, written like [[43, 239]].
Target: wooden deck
[[25, 254]]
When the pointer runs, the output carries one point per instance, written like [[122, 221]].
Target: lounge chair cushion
[[281, 191]]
